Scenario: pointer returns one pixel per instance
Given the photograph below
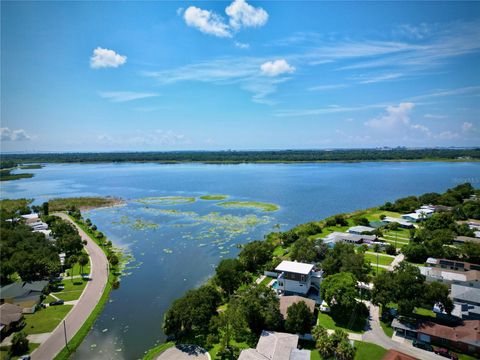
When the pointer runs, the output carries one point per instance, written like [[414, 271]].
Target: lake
[[176, 243]]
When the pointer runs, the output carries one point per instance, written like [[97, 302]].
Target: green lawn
[[45, 320], [157, 350], [69, 295], [48, 299], [76, 269], [387, 328], [382, 259], [73, 288], [4, 351], [368, 351], [374, 270], [315, 355], [279, 251], [425, 312], [330, 323], [266, 281]]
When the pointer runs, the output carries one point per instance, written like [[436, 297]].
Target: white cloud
[[243, 14], [397, 117], [206, 21], [371, 79], [277, 67], [123, 96], [434, 116], [6, 134], [467, 126], [241, 45], [104, 58], [327, 87]]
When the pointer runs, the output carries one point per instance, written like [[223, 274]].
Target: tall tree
[[299, 318]]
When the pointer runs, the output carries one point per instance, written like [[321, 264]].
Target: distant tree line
[[250, 156]]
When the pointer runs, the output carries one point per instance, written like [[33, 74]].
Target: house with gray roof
[[24, 294], [466, 301], [274, 345]]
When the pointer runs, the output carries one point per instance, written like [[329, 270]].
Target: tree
[[343, 258], [113, 259], [45, 208], [325, 345], [303, 250], [82, 261], [344, 351], [390, 249], [437, 293], [416, 253], [19, 344], [190, 315], [339, 291], [471, 252], [256, 254], [229, 275], [72, 260], [361, 221], [299, 318]]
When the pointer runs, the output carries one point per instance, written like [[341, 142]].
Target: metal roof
[[294, 267]]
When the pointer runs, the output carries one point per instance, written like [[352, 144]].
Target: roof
[[465, 293], [464, 239], [397, 355], [10, 313], [294, 267], [361, 229], [30, 216], [340, 236], [390, 219], [396, 324], [287, 301], [251, 354], [297, 354], [22, 289], [468, 332], [276, 345]]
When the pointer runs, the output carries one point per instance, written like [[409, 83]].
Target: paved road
[[376, 335], [87, 302]]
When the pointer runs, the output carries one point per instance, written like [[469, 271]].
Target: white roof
[[397, 220], [424, 211], [431, 260], [294, 267], [361, 229], [413, 215], [30, 216]]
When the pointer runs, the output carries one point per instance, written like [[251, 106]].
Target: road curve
[[85, 305]]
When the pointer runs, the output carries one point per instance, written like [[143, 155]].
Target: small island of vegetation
[[213, 197], [250, 204]]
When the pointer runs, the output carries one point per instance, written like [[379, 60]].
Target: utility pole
[[65, 333]]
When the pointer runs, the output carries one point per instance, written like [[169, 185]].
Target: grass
[[76, 269], [213, 197], [387, 328], [315, 355], [329, 322], [425, 312], [4, 351], [368, 351], [87, 202], [12, 205], [250, 204], [69, 295], [48, 299], [157, 350], [266, 281], [45, 320], [30, 167], [279, 251], [382, 259], [5, 175], [374, 271]]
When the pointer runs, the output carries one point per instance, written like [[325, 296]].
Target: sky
[[200, 75]]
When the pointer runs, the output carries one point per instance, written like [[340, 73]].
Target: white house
[[359, 230], [298, 278], [418, 215]]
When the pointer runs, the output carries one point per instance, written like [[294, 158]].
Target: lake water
[[176, 246]]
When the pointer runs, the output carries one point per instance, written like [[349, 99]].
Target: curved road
[[85, 305]]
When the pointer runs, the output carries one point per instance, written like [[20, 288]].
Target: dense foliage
[[252, 156], [343, 258]]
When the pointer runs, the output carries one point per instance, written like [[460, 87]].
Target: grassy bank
[[157, 350], [82, 203], [6, 175], [250, 204]]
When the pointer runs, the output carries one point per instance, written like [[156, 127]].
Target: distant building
[[297, 278], [275, 346], [350, 238], [418, 215], [401, 222], [360, 230]]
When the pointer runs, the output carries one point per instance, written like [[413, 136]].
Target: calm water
[[176, 246]]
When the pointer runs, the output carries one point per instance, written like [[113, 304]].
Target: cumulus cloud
[[240, 14], [277, 67], [243, 14], [123, 96], [6, 134], [396, 117], [105, 58], [206, 21]]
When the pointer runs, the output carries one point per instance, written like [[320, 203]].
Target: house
[[275, 346], [47, 233], [454, 265], [359, 230], [30, 218], [11, 317], [465, 337], [464, 239], [350, 238], [24, 294], [470, 278], [397, 355], [466, 301], [298, 278], [38, 225], [418, 215], [288, 300], [401, 222]]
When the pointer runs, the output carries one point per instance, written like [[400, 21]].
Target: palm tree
[[325, 346], [82, 261], [344, 351], [72, 261]]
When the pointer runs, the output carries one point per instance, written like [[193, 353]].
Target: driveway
[[85, 305], [184, 352]]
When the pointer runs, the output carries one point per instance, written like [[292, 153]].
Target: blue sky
[[106, 76]]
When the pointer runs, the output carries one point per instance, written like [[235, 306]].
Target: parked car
[[58, 302], [24, 357], [445, 353], [422, 345]]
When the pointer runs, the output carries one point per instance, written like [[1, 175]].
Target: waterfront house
[[350, 238], [418, 215], [360, 230], [401, 222], [297, 278], [27, 295], [274, 345]]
